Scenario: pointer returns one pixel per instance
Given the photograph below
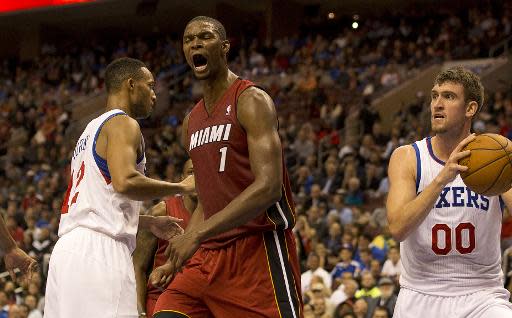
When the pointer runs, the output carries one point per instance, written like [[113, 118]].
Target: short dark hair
[[219, 28], [120, 70], [473, 88]]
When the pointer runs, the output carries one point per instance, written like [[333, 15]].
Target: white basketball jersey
[[456, 249], [90, 200]]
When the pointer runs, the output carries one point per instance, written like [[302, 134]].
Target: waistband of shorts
[[99, 233]]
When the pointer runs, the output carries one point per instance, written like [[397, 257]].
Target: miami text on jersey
[[209, 134]]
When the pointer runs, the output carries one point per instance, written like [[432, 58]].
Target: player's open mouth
[[438, 116], [200, 62]]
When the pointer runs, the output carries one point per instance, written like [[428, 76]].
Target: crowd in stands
[[336, 146]]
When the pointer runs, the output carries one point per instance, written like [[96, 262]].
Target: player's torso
[[219, 151], [456, 249], [174, 207], [90, 200]]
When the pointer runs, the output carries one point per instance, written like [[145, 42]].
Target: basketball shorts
[[254, 276], [486, 303], [90, 275]]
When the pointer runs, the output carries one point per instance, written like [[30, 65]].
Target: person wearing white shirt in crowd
[[314, 270], [392, 266]]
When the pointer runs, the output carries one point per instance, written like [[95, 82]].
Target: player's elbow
[[274, 193], [397, 232], [121, 186]]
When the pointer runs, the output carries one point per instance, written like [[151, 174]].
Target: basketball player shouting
[[245, 264], [91, 272], [450, 235]]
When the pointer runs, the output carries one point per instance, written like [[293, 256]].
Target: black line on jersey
[[280, 290]]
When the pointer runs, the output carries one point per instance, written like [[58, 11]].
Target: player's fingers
[[154, 277], [168, 280], [461, 168], [177, 220], [460, 155], [465, 141]]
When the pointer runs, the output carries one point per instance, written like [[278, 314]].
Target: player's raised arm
[[405, 209], [121, 158]]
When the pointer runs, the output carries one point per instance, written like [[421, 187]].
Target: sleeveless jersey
[[90, 199], [175, 207], [218, 148], [456, 249]]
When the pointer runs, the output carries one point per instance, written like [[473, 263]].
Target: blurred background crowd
[[322, 80]]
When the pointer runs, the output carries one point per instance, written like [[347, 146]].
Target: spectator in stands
[[314, 269], [386, 300], [368, 288], [360, 308], [381, 312], [392, 266], [346, 264], [345, 293]]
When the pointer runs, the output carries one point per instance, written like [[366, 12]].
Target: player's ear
[[131, 83], [471, 108], [226, 46]]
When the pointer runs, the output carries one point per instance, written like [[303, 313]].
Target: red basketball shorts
[[255, 276]]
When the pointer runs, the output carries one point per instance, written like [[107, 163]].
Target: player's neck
[[116, 101], [214, 88], [444, 143]]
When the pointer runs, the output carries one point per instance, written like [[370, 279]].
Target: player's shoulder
[[403, 152], [403, 157], [123, 123], [254, 93]]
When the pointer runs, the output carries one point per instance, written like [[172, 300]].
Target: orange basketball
[[490, 164]]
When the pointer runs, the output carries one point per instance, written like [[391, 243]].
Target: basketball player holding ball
[[449, 234]]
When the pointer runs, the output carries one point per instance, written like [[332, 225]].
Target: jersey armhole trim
[[100, 162], [502, 204], [418, 166]]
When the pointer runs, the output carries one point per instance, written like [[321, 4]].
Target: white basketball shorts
[[486, 303], [90, 275]]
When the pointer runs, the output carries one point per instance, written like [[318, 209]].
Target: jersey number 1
[[223, 152], [79, 176], [462, 227]]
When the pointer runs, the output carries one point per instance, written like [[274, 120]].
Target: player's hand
[[189, 185], [161, 276], [181, 248], [165, 227], [17, 258], [452, 167]]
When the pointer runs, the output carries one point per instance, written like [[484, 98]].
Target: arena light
[[331, 15], [17, 5], [355, 25]]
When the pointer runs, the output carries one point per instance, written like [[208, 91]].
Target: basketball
[[490, 164]]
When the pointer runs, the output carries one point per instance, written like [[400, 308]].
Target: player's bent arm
[[123, 139], [143, 255], [257, 115], [405, 209], [196, 219], [507, 199], [7, 243], [184, 132]]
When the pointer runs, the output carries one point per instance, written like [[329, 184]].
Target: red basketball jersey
[[219, 151], [174, 207]]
